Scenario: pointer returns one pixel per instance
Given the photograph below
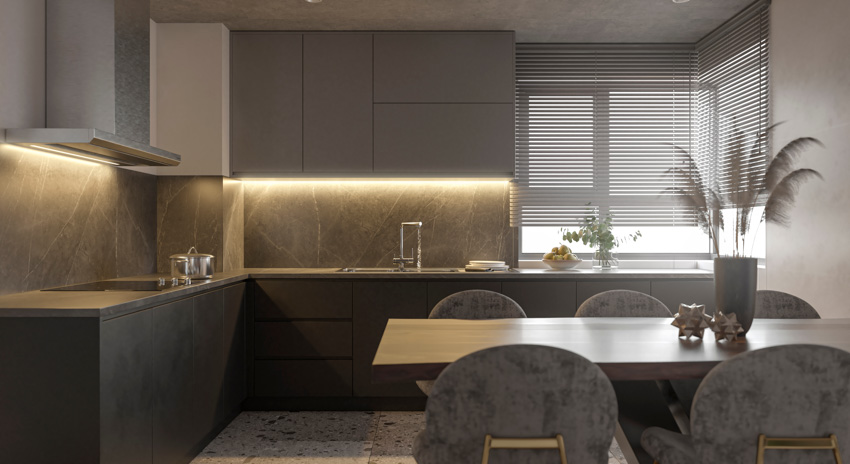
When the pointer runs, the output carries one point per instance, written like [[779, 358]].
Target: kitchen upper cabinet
[[444, 67], [469, 139], [266, 100], [337, 103]]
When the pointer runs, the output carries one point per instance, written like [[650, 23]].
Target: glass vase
[[605, 260]]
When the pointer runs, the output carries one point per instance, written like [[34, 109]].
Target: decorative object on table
[[691, 320], [726, 327], [560, 258], [487, 266], [753, 179], [597, 232]]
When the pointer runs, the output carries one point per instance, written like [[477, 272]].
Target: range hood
[[97, 84]]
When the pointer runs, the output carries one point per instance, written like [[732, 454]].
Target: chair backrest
[[771, 304], [476, 304], [518, 391], [799, 391], [623, 303]]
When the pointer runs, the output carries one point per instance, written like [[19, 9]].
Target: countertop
[[115, 303]]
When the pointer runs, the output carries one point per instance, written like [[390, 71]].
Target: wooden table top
[[625, 348]]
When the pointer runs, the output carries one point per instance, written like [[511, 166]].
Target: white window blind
[[597, 125], [733, 103]]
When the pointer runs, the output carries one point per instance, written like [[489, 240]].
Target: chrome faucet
[[418, 259]]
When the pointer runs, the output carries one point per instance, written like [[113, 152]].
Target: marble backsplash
[[64, 221], [339, 224]]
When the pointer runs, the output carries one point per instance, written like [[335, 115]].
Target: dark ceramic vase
[[735, 283]]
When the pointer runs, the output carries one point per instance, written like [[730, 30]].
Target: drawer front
[[585, 290], [303, 339], [302, 299], [302, 378], [543, 299]]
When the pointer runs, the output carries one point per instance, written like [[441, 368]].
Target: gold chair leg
[[830, 443], [524, 443]]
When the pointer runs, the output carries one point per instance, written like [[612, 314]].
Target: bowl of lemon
[[561, 258]]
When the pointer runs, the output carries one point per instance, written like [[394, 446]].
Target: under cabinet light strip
[[75, 155]]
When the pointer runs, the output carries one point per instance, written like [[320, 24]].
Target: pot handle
[[190, 251]]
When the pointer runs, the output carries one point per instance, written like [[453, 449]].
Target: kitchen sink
[[379, 270]]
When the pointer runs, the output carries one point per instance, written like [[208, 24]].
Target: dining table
[[629, 350]]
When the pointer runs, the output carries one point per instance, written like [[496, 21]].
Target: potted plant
[[597, 233], [735, 273]]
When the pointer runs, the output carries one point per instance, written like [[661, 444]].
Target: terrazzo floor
[[323, 437]]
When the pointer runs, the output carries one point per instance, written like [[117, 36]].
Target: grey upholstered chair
[[472, 304], [771, 304], [623, 303], [518, 391], [797, 391]]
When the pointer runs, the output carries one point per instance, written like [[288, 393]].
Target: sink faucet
[[402, 260]]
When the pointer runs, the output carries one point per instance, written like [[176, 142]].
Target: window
[[597, 128]]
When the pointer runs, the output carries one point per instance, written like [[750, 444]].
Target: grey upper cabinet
[[266, 93], [469, 139], [444, 67], [337, 103]]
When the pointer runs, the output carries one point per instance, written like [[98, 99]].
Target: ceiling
[[567, 21]]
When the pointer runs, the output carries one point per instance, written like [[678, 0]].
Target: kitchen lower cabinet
[[173, 383], [543, 299], [674, 292], [374, 304], [303, 339], [208, 358], [302, 378], [235, 346], [126, 397], [301, 299]]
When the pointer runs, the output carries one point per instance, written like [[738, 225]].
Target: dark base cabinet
[[150, 387]]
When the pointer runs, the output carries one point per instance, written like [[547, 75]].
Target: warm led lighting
[[314, 1], [417, 181], [681, 1], [75, 155]]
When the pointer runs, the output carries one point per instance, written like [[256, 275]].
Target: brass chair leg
[[830, 443], [524, 443]]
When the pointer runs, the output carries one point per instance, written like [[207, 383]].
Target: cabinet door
[[585, 290], [462, 67], [543, 299], [302, 378], [302, 339], [126, 389], [374, 304], [208, 364], [173, 383], [265, 109], [235, 370], [444, 138], [439, 290], [674, 292], [337, 103]]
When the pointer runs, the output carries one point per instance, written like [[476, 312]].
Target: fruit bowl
[[561, 264]]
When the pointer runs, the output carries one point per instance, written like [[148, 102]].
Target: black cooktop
[[115, 286]]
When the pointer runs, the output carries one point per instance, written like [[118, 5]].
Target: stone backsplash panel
[[328, 224]]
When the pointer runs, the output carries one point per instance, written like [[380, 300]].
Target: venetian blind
[[733, 100], [597, 125]]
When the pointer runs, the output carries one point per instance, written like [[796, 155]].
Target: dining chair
[[623, 303], [472, 304], [519, 404], [786, 404], [771, 304]]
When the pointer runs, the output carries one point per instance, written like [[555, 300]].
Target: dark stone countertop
[[112, 304]]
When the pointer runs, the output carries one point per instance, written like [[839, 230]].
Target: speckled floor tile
[[616, 453], [395, 434]]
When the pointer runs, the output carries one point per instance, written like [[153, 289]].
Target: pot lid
[[189, 254]]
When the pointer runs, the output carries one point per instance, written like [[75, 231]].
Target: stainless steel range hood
[[97, 84]]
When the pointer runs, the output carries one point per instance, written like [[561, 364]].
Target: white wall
[[810, 72], [21, 64], [192, 104]]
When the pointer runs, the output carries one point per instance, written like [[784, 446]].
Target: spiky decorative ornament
[[691, 320], [726, 327]]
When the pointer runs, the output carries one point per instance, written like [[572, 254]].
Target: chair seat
[[668, 447]]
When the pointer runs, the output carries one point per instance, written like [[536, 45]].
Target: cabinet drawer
[[303, 339], [585, 290], [439, 290], [302, 299], [543, 299], [302, 378]]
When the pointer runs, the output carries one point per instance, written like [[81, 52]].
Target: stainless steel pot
[[195, 266]]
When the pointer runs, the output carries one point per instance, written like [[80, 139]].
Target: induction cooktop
[[115, 286]]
